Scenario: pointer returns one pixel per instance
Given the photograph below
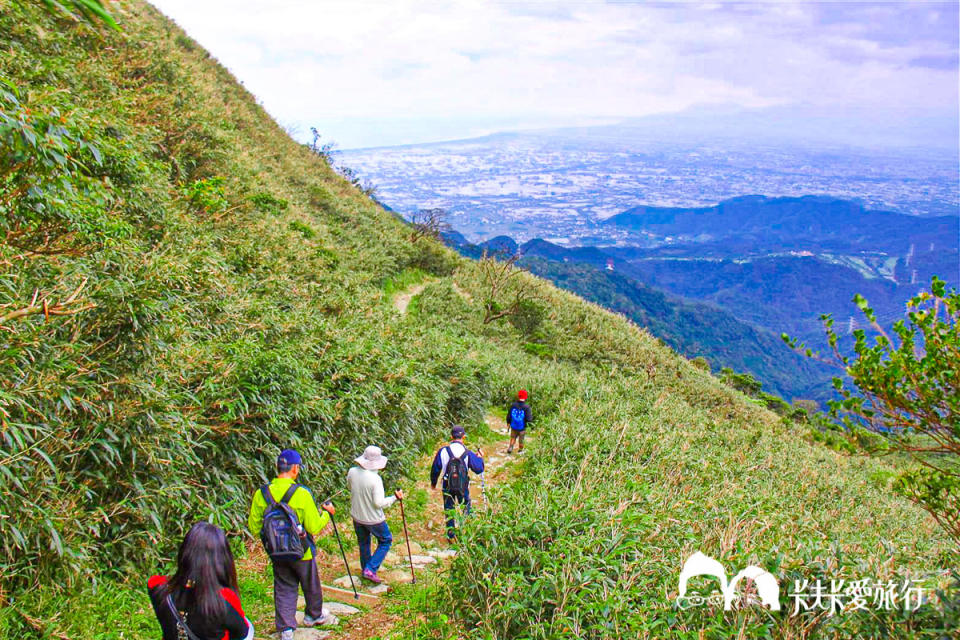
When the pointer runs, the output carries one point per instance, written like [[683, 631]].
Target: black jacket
[[233, 626]]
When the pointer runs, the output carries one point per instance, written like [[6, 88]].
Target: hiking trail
[[402, 300], [371, 615]]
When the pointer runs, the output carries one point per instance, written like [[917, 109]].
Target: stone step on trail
[[344, 582], [396, 576], [340, 609], [346, 595], [336, 608], [300, 615], [310, 634], [419, 562]]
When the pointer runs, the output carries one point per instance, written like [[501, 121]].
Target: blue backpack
[[518, 418]]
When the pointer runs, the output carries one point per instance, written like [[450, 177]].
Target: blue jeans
[[450, 502], [379, 531]]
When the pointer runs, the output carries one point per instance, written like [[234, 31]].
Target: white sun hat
[[372, 459]]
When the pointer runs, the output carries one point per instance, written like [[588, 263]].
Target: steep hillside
[[692, 328], [186, 290]]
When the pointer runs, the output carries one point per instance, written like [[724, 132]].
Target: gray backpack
[[282, 534]]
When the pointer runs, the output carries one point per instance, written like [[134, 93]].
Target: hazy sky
[[392, 72]]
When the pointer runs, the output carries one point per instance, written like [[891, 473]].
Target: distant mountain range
[[810, 223], [724, 281]]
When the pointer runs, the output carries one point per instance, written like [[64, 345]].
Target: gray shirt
[[367, 501]]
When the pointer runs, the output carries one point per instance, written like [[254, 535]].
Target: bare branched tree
[[328, 151], [428, 223], [504, 288], [323, 149]]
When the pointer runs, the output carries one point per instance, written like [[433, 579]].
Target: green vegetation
[[184, 290], [905, 397], [403, 281], [692, 328], [91, 10]]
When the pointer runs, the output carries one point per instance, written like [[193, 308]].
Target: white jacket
[[367, 501]]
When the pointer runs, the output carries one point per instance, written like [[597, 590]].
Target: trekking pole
[[356, 596], [406, 535], [483, 490], [483, 483]]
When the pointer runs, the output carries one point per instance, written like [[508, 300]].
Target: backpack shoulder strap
[[267, 496], [289, 493], [180, 621], [453, 457]]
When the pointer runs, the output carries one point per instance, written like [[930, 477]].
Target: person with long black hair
[[200, 601]]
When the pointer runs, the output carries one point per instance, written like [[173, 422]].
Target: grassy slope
[[219, 336]]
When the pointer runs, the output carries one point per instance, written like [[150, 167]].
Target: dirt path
[[370, 617], [402, 300]]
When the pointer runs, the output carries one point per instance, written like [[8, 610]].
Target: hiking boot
[[286, 634], [509, 450], [371, 576], [326, 620]]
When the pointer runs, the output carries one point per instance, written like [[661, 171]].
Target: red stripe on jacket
[[156, 581], [230, 596]]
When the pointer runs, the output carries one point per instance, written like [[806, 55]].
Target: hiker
[[518, 417], [452, 463], [285, 516], [200, 601], [367, 503]]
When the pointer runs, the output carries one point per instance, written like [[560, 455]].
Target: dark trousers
[[450, 503], [287, 577], [514, 436], [379, 531]]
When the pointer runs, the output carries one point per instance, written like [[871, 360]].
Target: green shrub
[[207, 195], [700, 363], [528, 318], [537, 349], [303, 229], [267, 203]]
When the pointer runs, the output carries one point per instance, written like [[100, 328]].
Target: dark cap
[[289, 456], [458, 432]]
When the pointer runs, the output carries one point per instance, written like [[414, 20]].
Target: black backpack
[[282, 535], [456, 478]]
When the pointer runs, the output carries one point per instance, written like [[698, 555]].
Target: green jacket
[[312, 518]]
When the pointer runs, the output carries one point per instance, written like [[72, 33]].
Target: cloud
[[345, 66]]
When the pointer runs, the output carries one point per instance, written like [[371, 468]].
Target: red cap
[[522, 395]]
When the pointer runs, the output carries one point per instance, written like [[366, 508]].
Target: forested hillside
[[186, 290], [694, 329]]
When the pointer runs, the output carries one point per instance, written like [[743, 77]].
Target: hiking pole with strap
[[403, 516], [356, 596]]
